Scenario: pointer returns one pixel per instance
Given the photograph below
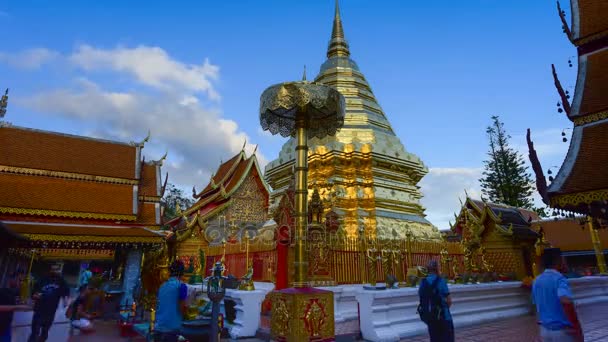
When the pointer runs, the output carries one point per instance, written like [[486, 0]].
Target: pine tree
[[505, 178], [174, 196]]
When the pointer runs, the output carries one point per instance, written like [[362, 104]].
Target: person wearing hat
[[47, 293], [171, 305], [435, 302], [554, 306]]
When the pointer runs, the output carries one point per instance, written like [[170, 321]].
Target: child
[[80, 319]]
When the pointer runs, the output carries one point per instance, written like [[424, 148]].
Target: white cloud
[[151, 66], [442, 187], [29, 59], [167, 101]]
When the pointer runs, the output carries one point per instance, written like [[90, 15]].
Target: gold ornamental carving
[[579, 198], [93, 238], [248, 203], [315, 319], [302, 316], [66, 175], [280, 325], [579, 121], [61, 213]]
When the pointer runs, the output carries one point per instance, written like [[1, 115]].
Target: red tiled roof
[[590, 171], [223, 173], [595, 93], [147, 214], [148, 186], [28, 148], [46, 193], [569, 236], [593, 16], [238, 174]]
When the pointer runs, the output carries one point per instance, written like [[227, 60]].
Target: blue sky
[[192, 73]]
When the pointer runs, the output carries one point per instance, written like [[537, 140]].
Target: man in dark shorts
[[47, 293]]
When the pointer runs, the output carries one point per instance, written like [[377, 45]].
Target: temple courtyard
[[521, 329]]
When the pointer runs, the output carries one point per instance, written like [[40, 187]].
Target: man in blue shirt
[[171, 304], [555, 309], [442, 329]]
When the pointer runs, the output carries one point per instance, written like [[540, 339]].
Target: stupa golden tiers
[[363, 172]]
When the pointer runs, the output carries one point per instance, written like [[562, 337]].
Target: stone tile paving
[[517, 329], [524, 328]]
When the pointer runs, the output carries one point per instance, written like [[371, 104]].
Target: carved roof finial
[[3, 103], [562, 17], [541, 181], [244, 145], [560, 90], [163, 158]]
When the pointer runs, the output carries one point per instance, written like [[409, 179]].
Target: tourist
[[85, 276], [171, 305], [79, 318], [7, 307], [47, 293], [554, 306], [435, 302]]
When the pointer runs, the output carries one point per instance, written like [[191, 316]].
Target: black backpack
[[430, 309]]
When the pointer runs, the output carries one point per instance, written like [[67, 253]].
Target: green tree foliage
[[174, 196], [505, 177]]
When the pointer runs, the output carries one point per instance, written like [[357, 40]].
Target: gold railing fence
[[348, 258]]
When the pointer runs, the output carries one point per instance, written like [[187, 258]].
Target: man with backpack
[[435, 302], [171, 306]]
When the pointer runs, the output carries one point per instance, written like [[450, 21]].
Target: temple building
[[581, 185], [76, 199], [364, 172], [234, 201], [579, 245], [496, 237]]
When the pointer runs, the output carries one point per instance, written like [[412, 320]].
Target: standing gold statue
[[373, 256]]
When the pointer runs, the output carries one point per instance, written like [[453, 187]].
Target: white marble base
[[390, 315], [248, 308], [345, 301], [589, 289]]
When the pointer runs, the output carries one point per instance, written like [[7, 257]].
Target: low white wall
[[390, 315], [345, 301], [248, 308], [589, 289]]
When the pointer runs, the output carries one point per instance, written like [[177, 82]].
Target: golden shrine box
[[302, 314]]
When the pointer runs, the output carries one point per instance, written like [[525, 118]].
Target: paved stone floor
[[518, 329], [525, 329]]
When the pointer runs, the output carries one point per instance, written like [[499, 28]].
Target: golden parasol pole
[[597, 246], [246, 251], [25, 286], [301, 199]]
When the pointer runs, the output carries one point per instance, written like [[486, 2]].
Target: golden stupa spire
[[338, 47]]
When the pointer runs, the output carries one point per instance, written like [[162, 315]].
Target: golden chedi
[[364, 171]]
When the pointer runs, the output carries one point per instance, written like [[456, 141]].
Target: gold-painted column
[[597, 246], [301, 199]]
